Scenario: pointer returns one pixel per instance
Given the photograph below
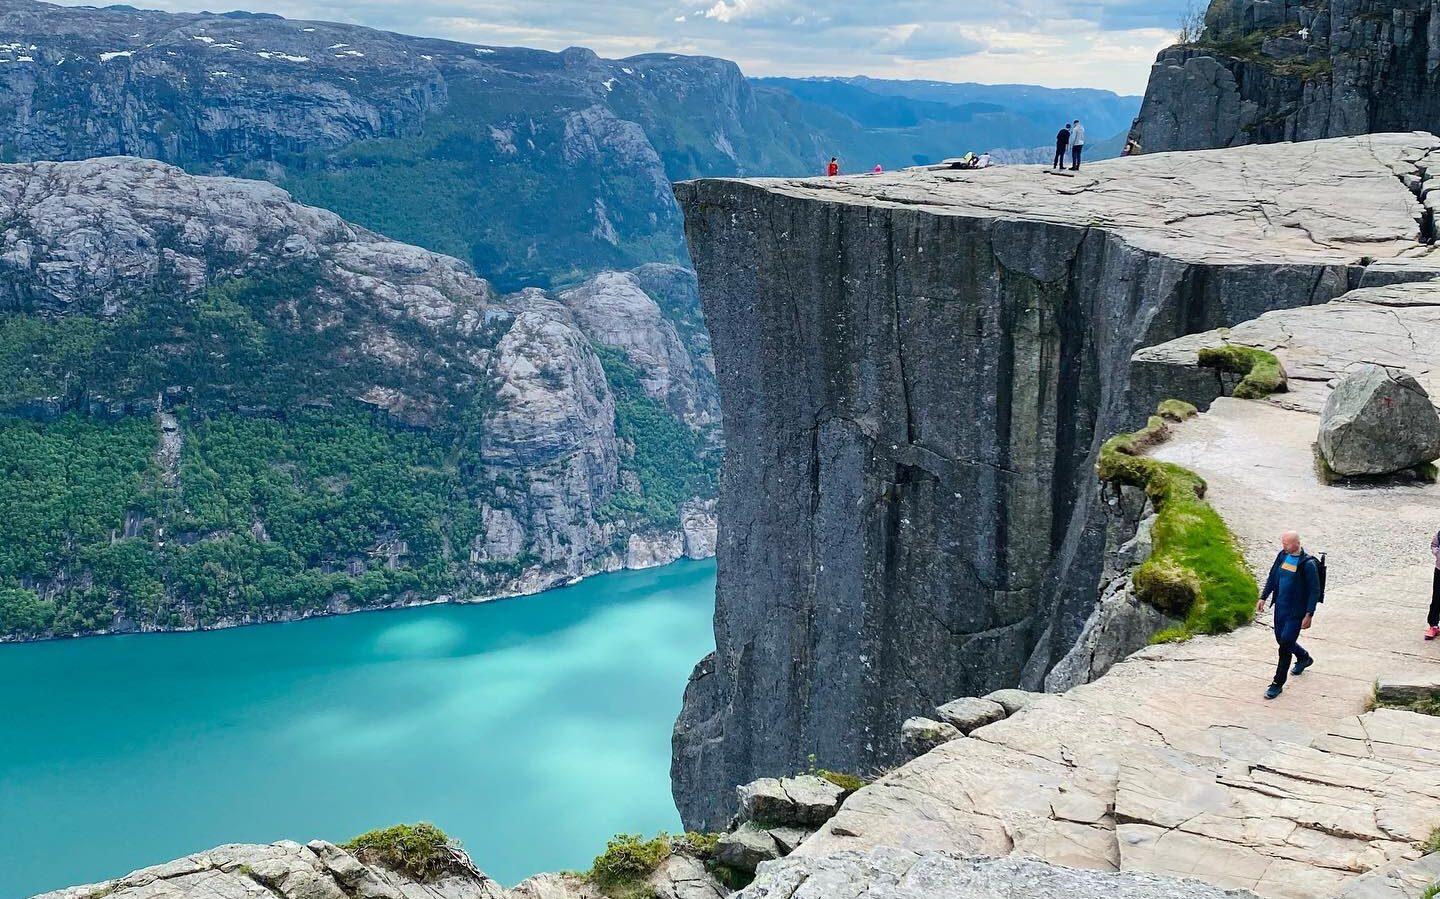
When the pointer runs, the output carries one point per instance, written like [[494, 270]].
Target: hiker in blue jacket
[[1294, 581]]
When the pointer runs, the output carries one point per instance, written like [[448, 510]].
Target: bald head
[[1291, 541]]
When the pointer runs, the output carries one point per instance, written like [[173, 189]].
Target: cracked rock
[[898, 874]]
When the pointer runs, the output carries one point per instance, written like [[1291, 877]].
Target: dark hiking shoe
[[1273, 690], [1301, 665]]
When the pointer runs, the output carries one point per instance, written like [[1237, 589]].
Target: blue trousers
[[1287, 635]]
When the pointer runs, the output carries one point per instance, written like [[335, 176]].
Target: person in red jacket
[[833, 168]]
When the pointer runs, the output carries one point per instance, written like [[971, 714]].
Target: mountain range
[[299, 317]]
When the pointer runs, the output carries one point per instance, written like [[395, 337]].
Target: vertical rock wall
[[1281, 70]]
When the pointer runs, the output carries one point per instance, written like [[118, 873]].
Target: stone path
[[1173, 762]]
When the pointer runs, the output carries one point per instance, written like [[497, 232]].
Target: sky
[[1057, 43]]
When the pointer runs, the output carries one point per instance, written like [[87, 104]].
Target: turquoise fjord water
[[530, 729]]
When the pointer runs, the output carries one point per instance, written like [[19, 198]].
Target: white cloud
[[1088, 43]]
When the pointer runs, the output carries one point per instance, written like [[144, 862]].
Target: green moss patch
[[621, 871], [1261, 372], [419, 851], [1195, 570]]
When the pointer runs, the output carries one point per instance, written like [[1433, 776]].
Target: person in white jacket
[[1077, 144]]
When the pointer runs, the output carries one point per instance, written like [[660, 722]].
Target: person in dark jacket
[[1433, 619], [1062, 143], [1294, 581]]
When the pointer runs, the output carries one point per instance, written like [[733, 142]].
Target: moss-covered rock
[[1195, 569], [1261, 372]]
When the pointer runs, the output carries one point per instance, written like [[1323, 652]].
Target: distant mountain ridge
[[537, 168]]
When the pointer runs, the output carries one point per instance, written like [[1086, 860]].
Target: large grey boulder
[[1378, 421]]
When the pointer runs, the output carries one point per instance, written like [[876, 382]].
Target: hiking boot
[[1273, 690], [1301, 665], [1432, 632]]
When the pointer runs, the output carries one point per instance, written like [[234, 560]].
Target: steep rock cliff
[[1279, 70], [916, 370], [221, 406]]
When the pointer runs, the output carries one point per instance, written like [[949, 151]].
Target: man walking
[[1077, 144], [1294, 581], [1062, 141]]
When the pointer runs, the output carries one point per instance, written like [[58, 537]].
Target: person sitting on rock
[[1433, 619], [1294, 581]]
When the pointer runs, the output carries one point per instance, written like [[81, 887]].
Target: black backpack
[[1319, 569]]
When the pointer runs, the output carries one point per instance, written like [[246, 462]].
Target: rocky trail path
[[1173, 763]]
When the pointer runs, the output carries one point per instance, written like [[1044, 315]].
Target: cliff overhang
[[916, 370]]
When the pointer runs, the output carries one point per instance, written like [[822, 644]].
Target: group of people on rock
[[1072, 135], [1070, 139], [1297, 584]]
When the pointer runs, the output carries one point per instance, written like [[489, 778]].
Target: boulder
[[970, 712], [746, 847], [1013, 700], [806, 800], [1378, 421], [919, 735], [764, 800], [815, 799]]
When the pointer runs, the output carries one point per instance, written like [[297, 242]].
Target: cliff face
[[221, 406], [916, 371], [1282, 70]]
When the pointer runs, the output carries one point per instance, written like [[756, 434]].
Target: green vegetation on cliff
[[269, 515], [1195, 571], [422, 852], [667, 458], [284, 496]]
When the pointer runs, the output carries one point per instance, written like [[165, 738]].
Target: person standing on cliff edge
[[1077, 144], [1062, 142], [1294, 581], [833, 168]]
